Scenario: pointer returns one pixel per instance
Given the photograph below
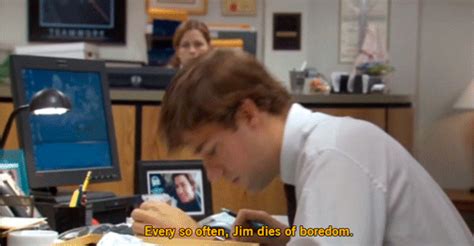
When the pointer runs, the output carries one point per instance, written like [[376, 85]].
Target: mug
[[32, 237], [61, 217], [339, 81], [297, 81], [361, 84], [365, 83]]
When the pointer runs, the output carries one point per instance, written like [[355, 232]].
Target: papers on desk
[[113, 239], [16, 223], [145, 241]]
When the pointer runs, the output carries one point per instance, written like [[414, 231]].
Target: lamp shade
[[466, 101], [44, 102], [49, 101]]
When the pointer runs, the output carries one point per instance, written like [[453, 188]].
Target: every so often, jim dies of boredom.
[[346, 173]]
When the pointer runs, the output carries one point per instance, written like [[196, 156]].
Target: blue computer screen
[[77, 139]]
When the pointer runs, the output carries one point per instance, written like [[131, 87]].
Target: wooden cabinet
[[400, 125], [152, 148], [271, 199], [124, 123], [374, 115], [463, 200], [224, 194], [5, 111], [397, 121]]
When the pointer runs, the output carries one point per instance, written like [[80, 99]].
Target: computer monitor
[[59, 150]]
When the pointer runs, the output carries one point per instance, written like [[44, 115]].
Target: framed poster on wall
[[350, 18], [192, 7], [286, 31], [74, 21], [239, 7]]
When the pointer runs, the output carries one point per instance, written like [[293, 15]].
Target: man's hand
[[160, 215], [245, 215]]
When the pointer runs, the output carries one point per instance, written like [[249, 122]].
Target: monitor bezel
[[44, 179]]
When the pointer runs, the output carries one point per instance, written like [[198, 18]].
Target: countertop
[[155, 96]]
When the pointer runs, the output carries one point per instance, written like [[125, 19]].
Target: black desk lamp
[[44, 102]]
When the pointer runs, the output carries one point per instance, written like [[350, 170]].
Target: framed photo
[[192, 7], [239, 7], [12, 163], [286, 31], [350, 37], [14, 185], [181, 183], [77, 21]]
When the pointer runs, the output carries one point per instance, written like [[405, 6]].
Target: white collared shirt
[[350, 174]]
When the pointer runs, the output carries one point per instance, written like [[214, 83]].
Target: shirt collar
[[292, 141], [299, 124]]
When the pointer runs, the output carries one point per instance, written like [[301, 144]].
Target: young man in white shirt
[[347, 173]]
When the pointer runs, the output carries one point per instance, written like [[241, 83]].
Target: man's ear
[[248, 113]]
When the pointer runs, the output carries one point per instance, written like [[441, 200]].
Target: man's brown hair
[[210, 90]]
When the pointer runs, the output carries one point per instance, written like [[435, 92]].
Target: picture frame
[[239, 7], [78, 21], [287, 31], [13, 201], [192, 7], [378, 15], [12, 163], [180, 183]]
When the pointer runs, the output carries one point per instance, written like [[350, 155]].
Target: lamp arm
[[3, 137]]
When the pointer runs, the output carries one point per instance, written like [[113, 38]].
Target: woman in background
[[190, 40]]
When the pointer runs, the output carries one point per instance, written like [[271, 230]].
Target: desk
[[94, 238], [186, 242], [137, 113], [463, 200]]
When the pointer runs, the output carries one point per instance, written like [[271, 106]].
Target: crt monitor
[[60, 149]]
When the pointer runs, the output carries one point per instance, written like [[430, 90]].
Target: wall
[[13, 22], [13, 26], [320, 24], [444, 136], [319, 36], [214, 16], [280, 62], [13, 30], [430, 46]]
